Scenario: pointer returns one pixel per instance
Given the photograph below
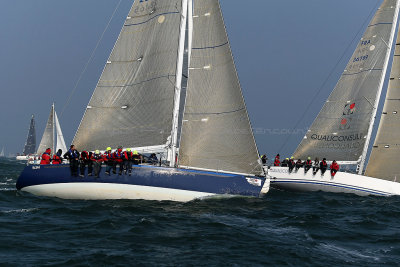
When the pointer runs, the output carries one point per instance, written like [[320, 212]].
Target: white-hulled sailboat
[[342, 130], [170, 85], [30, 144]]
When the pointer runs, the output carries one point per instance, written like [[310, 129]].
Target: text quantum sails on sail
[[137, 104], [343, 128]]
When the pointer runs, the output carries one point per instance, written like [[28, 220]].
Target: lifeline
[[336, 138]]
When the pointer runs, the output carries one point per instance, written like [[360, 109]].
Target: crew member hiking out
[[57, 157], [323, 166], [307, 164], [315, 167], [291, 164], [83, 161], [264, 159], [118, 160], [73, 156], [299, 164], [46, 157], [109, 160], [334, 168], [128, 158], [97, 159]]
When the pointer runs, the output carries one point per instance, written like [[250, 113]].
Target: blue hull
[[145, 176]]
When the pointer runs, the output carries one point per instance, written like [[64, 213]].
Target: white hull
[[99, 191], [342, 182]]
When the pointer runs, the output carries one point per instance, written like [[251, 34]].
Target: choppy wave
[[295, 229]]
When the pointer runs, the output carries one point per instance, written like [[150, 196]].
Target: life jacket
[[128, 155], [108, 156], [277, 162], [323, 164], [335, 166], [97, 157], [73, 154], [57, 159], [308, 162], [84, 155], [118, 156], [45, 158]]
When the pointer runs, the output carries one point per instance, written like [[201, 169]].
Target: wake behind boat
[[343, 129], [169, 86]]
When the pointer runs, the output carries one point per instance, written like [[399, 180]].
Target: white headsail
[[48, 135], [216, 132], [60, 137]]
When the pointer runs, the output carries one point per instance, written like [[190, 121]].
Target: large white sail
[[133, 102], [59, 136], [216, 132], [30, 145], [386, 150], [343, 128], [48, 135]]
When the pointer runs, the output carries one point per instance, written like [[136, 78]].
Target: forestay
[[216, 132], [383, 162], [342, 128], [48, 135], [30, 145], [132, 105]]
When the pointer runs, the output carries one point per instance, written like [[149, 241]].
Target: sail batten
[[343, 127], [216, 131], [132, 104]]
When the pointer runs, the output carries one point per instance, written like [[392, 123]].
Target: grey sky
[[284, 51]]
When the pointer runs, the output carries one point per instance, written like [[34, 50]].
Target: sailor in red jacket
[[118, 160], [108, 158], [57, 157], [277, 161], [334, 168], [46, 157]]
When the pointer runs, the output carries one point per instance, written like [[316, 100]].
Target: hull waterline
[[146, 182], [341, 183]]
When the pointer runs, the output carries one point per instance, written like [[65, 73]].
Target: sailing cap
[[309, 158], [108, 148], [97, 152], [292, 157], [128, 149], [135, 152]]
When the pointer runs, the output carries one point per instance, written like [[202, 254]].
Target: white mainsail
[[2, 152], [343, 128]]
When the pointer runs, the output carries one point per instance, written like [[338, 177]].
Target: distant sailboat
[[343, 129], [170, 85], [30, 144], [52, 136], [2, 153]]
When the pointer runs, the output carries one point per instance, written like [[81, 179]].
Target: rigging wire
[[329, 76], [90, 59]]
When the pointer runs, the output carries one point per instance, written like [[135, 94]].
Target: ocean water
[[284, 228]]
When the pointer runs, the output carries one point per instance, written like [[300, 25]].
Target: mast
[[178, 83], [379, 93]]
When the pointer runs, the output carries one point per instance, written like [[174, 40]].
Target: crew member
[[57, 157], [136, 158], [323, 166], [128, 158], [84, 159], [46, 157], [118, 160], [97, 159], [315, 167], [334, 168], [307, 164], [291, 164], [109, 160], [299, 164], [277, 162], [73, 156], [285, 162], [264, 159]]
